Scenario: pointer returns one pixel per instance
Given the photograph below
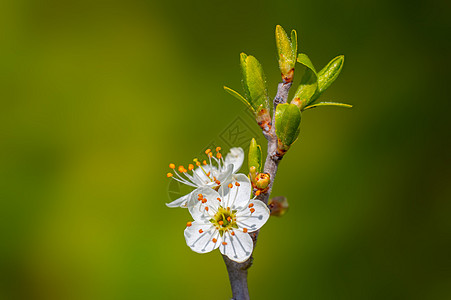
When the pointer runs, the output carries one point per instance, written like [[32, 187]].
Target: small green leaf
[[329, 73], [239, 97], [254, 83], [288, 120], [286, 51], [294, 42], [255, 156], [309, 83], [328, 104]]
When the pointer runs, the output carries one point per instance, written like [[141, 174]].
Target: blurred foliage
[[98, 97]]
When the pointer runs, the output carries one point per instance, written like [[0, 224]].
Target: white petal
[[253, 221], [236, 197], [239, 246], [225, 173], [180, 202], [202, 242], [197, 208], [200, 176], [235, 157]]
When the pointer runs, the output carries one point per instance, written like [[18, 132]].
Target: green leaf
[[288, 120], [328, 104], [329, 73], [254, 83], [286, 52], [255, 156], [309, 83], [294, 43], [239, 97]]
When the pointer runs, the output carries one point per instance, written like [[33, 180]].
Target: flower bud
[[278, 206], [262, 181]]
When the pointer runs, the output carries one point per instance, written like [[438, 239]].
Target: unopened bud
[[278, 206], [252, 173], [262, 181]]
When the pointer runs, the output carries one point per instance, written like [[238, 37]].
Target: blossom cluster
[[221, 205]]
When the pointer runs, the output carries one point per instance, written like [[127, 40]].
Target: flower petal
[[203, 212], [237, 197], [238, 247], [200, 177], [180, 202], [253, 221], [235, 157], [199, 237], [225, 173]]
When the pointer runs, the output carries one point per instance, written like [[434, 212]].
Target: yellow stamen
[[207, 151], [169, 175], [218, 149], [190, 167], [204, 162], [172, 166]]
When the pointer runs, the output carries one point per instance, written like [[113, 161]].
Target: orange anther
[[210, 154], [217, 181], [214, 178], [208, 174], [172, 166], [189, 224], [229, 219], [232, 233], [252, 210], [198, 163], [218, 155], [182, 169], [244, 230], [257, 193], [169, 175], [220, 223], [200, 231], [237, 184], [204, 162], [200, 195], [190, 167], [224, 243], [204, 201], [219, 199], [206, 208], [250, 205], [207, 151], [214, 240], [230, 185], [218, 149], [228, 208]]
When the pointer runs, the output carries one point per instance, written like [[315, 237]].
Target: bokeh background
[[98, 97]]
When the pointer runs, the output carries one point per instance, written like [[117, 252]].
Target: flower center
[[224, 220]]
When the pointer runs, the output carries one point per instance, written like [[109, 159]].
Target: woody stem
[[238, 271]]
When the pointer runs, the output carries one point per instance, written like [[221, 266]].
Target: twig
[[238, 271]]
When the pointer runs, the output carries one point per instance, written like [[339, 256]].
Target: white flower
[[207, 174], [224, 218]]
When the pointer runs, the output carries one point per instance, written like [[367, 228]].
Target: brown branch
[[238, 271]]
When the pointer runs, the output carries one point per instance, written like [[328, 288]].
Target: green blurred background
[[98, 97]]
